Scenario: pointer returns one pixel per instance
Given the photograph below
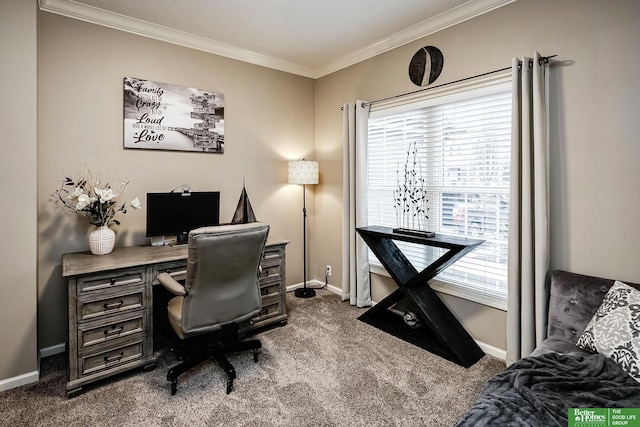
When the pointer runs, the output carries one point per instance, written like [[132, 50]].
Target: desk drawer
[[90, 334], [271, 257], [127, 353], [133, 276], [132, 299], [270, 307], [270, 289], [271, 271]]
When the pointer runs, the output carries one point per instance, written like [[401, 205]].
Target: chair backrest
[[222, 276]]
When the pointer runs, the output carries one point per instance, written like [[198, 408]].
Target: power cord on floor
[[326, 283]]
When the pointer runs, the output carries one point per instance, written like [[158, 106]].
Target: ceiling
[[311, 38]]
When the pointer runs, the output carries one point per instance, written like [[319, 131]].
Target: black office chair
[[220, 291]]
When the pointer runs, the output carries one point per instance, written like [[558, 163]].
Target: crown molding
[[464, 12], [97, 16]]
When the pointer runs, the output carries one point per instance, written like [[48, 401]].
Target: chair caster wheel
[[174, 387], [229, 386], [255, 356]]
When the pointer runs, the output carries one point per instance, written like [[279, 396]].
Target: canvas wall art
[[162, 116]]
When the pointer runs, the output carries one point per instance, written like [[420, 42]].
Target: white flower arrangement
[[98, 202]]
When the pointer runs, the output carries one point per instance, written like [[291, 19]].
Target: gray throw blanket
[[538, 391]]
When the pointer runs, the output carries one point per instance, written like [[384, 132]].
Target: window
[[462, 138]]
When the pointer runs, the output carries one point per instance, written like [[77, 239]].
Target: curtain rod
[[543, 59]]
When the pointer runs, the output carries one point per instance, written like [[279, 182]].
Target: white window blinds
[[463, 152]]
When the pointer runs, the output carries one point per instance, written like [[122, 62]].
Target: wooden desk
[[441, 332], [111, 306]]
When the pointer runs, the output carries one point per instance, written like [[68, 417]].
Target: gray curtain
[[356, 286], [528, 218]]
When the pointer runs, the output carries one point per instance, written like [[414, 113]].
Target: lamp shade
[[303, 172]]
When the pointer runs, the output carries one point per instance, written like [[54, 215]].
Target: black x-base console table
[[437, 329]]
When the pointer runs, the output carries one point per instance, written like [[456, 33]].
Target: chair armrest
[[171, 284]]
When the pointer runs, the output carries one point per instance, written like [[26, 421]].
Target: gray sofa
[[573, 300], [539, 390]]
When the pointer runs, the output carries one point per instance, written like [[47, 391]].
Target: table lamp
[[304, 172]]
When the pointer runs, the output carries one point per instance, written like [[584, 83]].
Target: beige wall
[[269, 118], [18, 356], [594, 149]]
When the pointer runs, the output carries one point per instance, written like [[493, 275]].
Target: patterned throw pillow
[[614, 330]]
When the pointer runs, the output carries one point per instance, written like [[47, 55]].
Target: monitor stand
[[157, 241]]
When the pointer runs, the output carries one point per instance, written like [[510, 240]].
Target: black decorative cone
[[244, 212]]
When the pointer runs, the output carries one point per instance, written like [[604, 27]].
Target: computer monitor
[[175, 214]]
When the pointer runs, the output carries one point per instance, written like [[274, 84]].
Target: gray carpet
[[324, 368]]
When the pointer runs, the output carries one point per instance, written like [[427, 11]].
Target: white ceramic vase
[[101, 240]]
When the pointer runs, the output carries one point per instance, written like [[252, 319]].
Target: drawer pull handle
[[109, 359], [110, 306], [114, 331], [113, 280]]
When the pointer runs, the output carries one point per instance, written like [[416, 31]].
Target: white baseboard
[[28, 378], [337, 291], [492, 351], [34, 376], [54, 349]]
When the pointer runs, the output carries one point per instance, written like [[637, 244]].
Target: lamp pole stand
[[304, 292]]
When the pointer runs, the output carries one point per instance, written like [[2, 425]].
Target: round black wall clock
[[426, 65]]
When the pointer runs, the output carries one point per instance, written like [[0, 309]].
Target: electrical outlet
[[327, 271]]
